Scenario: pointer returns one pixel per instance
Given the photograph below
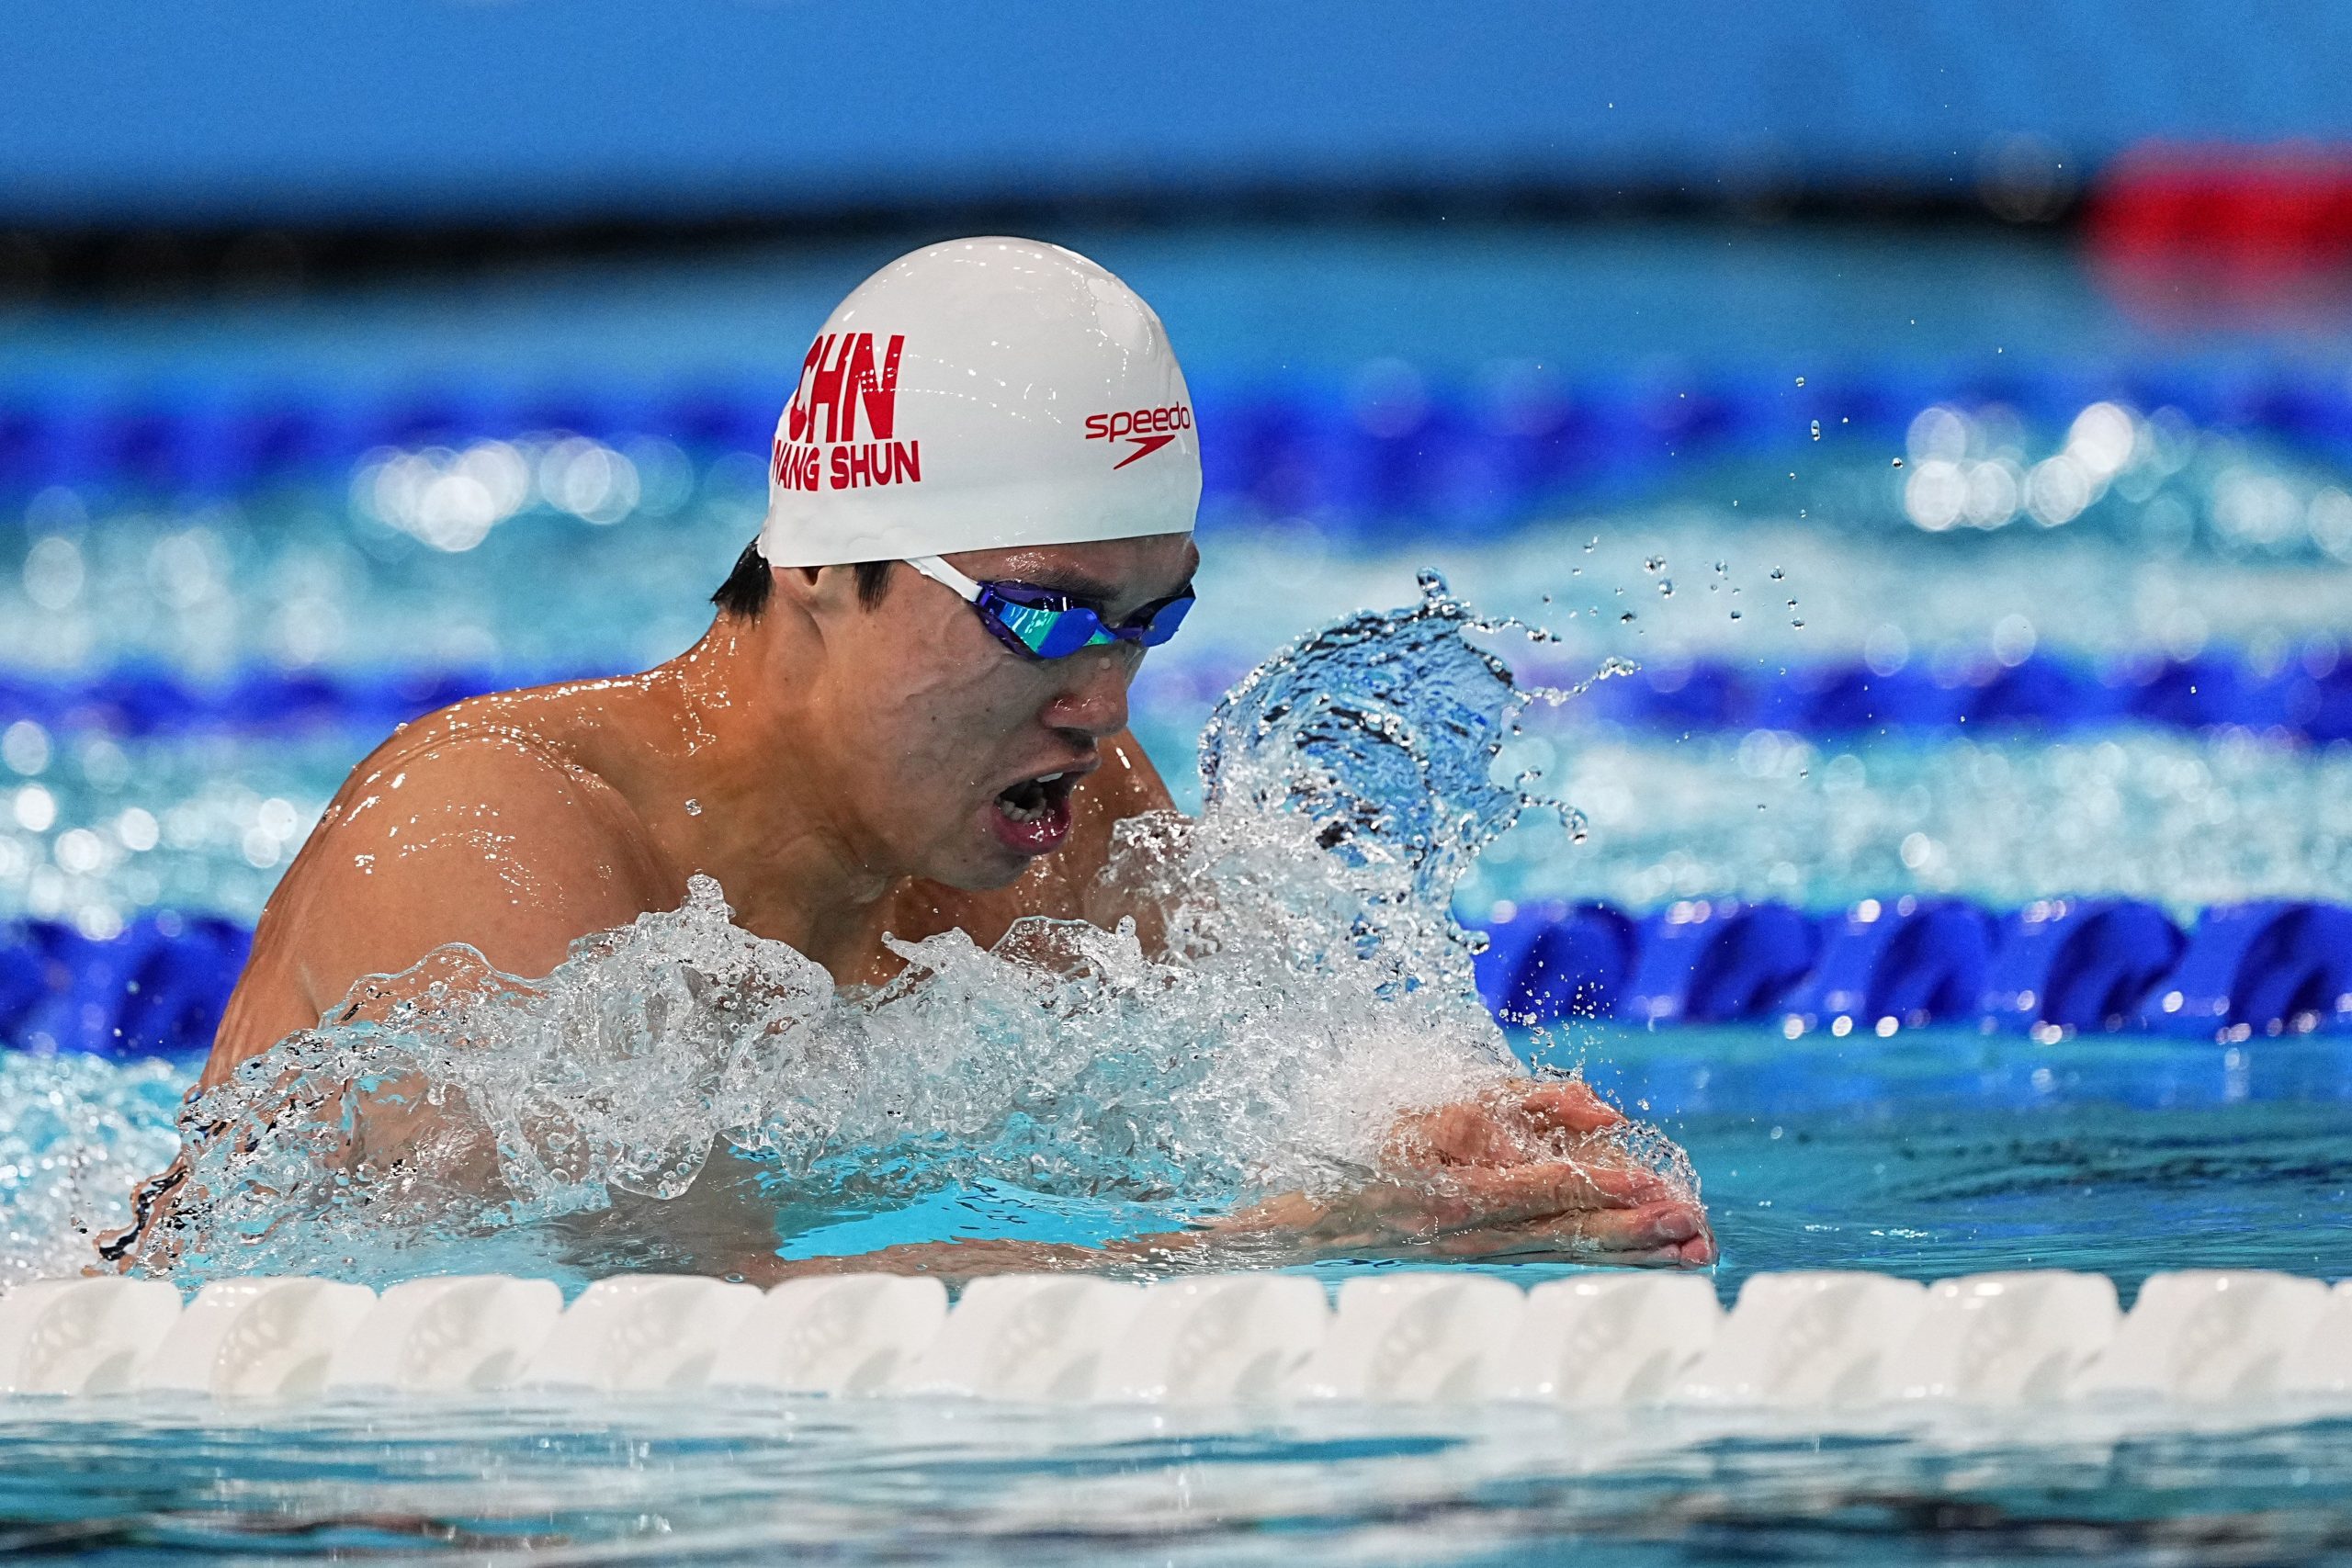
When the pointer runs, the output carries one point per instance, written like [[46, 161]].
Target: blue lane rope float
[[2257, 967], [159, 987], [1717, 960], [1361, 454], [2055, 968], [2043, 695], [2061, 965]]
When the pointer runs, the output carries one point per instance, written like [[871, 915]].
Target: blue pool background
[[1619, 321]]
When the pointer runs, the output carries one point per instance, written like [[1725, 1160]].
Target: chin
[[981, 879], [983, 868]]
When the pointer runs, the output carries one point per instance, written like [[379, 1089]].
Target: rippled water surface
[[1928, 1155], [750, 1481]]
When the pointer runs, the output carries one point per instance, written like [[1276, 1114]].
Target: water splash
[[75, 1134], [1257, 995]]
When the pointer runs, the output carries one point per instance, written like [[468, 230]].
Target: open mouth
[[1032, 816]]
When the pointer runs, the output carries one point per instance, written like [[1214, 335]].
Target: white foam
[[448, 1333], [1225, 1337], [1610, 1339], [81, 1335], [254, 1338], [1816, 1336], [1423, 1335], [839, 1333], [1030, 1336], [641, 1332], [2208, 1335]]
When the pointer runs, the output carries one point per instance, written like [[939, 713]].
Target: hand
[[1527, 1169]]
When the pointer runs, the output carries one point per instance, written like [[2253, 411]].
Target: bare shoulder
[[480, 833]]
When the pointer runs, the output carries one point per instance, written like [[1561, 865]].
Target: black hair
[[745, 591]]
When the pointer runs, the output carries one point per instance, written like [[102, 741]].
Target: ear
[[817, 590]]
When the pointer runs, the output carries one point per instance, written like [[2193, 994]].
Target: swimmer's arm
[[481, 841], [1516, 1173]]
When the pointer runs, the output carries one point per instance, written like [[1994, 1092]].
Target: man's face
[[963, 751]]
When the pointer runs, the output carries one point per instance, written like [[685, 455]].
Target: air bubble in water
[[1816, 430], [1779, 573], [1653, 565], [1666, 588], [1800, 381]]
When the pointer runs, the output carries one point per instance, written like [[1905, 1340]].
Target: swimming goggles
[[1038, 623]]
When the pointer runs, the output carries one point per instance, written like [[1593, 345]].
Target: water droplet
[[1666, 588], [1898, 462], [1800, 381], [1777, 573], [693, 808], [1653, 564], [1816, 430], [1626, 616], [1592, 544], [1735, 614]]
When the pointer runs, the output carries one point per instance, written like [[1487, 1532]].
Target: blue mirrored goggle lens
[[1164, 621], [1048, 634], [1051, 632]]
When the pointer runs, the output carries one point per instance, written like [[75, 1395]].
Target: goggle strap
[[947, 577]]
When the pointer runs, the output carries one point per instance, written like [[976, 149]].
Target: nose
[[1092, 697]]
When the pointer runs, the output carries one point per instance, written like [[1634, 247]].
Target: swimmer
[[910, 715]]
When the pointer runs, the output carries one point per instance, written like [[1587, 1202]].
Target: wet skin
[[844, 771]]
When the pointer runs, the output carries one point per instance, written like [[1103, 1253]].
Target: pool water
[[1929, 1155], [719, 1482], [138, 775]]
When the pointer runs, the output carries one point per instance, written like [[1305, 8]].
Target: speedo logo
[[1147, 429]]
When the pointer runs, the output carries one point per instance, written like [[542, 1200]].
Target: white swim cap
[[977, 394]]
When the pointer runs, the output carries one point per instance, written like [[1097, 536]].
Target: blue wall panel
[[495, 108]]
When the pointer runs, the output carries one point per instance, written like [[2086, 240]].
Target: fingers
[[1699, 1252], [1668, 1223], [1505, 1127], [1670, 1233], [1569, 1106], [1517, 1194]]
